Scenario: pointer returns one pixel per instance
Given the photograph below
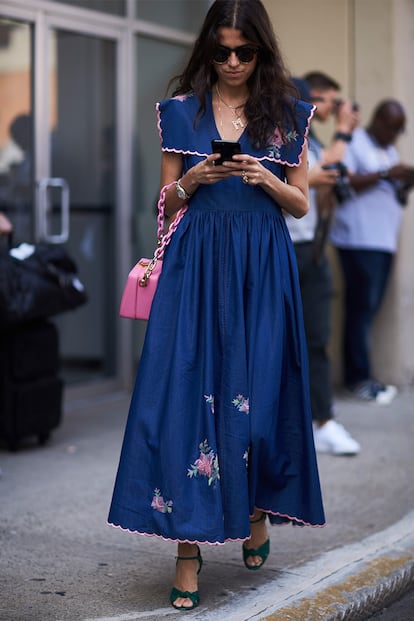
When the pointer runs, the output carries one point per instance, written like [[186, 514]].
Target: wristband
[[343, 136], [384, 174]]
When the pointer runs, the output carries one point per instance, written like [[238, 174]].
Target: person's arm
[[361, 182], [6, 226], [346, 120], [318, 177], [171, 168], [292, 196], [202, 173]]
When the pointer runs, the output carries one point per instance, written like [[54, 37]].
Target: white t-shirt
[[303, 229], [371, 219]]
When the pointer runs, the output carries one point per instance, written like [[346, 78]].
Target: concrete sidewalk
[[59, 561]]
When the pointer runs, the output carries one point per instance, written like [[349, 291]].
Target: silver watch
[[182, 192]]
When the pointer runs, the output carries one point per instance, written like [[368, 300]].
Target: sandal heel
[[262, 551], [194, 595]]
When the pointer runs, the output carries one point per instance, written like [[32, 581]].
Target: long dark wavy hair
[[270, 101]]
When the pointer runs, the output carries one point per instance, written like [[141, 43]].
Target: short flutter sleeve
[[176, 125], [288, 151]]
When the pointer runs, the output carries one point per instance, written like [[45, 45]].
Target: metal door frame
[[45, 16]]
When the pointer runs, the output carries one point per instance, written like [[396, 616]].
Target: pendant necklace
[[237, 121]]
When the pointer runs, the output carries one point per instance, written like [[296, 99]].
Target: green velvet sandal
[[262, 551], [194, 596]]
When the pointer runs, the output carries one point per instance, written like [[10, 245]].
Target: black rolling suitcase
[[30, 387]]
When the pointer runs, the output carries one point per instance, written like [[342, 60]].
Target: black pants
[[317, 290]]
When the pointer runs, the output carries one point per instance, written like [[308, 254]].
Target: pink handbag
[[142, 280]]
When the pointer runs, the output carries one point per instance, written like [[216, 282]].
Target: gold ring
[[245, 177]]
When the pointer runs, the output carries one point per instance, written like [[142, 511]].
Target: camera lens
[[342, 188]]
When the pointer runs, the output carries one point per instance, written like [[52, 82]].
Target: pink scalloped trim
[[184, 152], [289, 517], [157, 107], [217, 543], [260, 159], [308, 120], [173, 150], [210, 543]]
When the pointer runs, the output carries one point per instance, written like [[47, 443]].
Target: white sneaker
[[371, 390], [333, 438], [386, 393]]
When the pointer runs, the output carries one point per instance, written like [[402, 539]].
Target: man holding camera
[[365, 231], [309, 235]]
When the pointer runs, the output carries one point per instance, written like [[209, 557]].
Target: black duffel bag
[[42, 284]]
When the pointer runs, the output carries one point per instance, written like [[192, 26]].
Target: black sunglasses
[[245, 54]]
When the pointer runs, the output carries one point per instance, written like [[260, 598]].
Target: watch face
[[181, 192]]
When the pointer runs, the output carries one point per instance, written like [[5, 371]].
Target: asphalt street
[[59, 561], [401, 610]]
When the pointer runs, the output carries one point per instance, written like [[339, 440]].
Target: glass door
[[81, 137], [58, 170]]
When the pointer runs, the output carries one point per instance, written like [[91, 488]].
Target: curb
[[368, 576], [369, 601], [340, 602], [349, 583]]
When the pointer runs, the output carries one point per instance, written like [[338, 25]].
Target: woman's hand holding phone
[[226, 149], [216, 167]]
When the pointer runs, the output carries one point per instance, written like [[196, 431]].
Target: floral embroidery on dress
[[246, 457], [276, 142], [206, 465], [241, 403], [180, 97], [210, 399], [159, 504]]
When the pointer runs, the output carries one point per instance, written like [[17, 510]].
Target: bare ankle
[[187, 549]]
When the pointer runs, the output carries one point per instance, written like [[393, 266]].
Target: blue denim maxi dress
[[220, 421]]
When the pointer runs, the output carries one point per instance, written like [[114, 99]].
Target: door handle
[[44, 211]]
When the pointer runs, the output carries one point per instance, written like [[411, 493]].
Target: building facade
[[367, 46], [84, 75]]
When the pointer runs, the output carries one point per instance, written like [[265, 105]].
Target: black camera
[[342, 188], [339, 102], [401, 190]]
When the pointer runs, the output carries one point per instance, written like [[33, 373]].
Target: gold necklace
[[237, 121]]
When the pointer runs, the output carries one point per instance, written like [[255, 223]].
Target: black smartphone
[[227, 148]]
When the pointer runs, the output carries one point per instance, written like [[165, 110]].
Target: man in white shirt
[[365, 231], [314, 270]]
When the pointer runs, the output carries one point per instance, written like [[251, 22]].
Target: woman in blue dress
[[219, 434]]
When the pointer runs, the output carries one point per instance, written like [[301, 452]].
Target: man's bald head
[[388, 122]]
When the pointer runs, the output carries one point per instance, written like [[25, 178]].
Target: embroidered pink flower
[[206, 465], [241, 403], [159, 504], [180, 97], [277, 139], [203, 464], [277, 142]]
